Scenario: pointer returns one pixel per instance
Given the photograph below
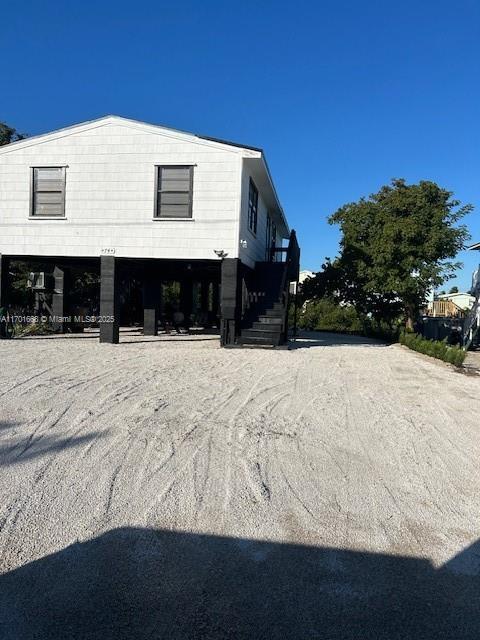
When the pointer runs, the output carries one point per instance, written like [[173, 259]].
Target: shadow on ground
[[20, 449], [308, 339], [144, 583], [132, 335], [167, 339]]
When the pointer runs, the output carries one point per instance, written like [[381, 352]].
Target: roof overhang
[[134, 124], [254, 156], [260, 172]]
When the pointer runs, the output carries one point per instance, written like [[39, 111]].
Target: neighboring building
[[475, 290], [137, 200], [472, 323], [449, 305], [304, 275], [463, 300]]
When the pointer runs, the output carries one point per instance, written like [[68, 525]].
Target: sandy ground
[[167, 488], [472, 361]]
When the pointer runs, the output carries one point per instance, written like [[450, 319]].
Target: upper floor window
[[274, 242], [174, 192], [48, 192], [268, 238], [252, 206]]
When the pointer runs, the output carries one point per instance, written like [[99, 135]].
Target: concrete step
[[274, 312], [270, 319], [264, 342], [274, 325], [273, 336]]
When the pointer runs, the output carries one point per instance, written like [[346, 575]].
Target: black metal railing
[[471, 325], [290, 274]]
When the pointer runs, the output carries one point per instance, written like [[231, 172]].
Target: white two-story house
[[130, 199]]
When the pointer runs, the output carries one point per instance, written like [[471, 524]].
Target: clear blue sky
[[342, 95]]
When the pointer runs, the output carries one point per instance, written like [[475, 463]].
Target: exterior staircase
[[472, 324], [265, 323]]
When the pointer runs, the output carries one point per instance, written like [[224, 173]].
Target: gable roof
[[249, 151], [113, 119]]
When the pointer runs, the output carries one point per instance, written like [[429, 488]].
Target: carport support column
[[59, 299], [151, 301], [186, 299], [4, 280], [230, 300], [109, 300], [204, 291], [216, 300]]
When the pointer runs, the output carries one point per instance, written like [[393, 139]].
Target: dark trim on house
[[228, 142]]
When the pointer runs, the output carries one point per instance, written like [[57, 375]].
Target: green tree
[[453, 290], [9, 134], [341, 282], [398, 244]]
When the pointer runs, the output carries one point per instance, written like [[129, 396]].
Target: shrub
[[33, 329], [434, 348], [328, 315]]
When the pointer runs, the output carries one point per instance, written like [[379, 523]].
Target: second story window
[[252, 206], [48, 192], [268, 239], [174, 192]]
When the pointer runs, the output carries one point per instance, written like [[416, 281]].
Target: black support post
[[151, 301], [216, 301], [231, 300], [186, 299], [204, 290], [59, 299], [4, 280], [109, 300]]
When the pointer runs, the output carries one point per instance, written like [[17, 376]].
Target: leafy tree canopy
[[396, 245], [9, 134], [453, 290]]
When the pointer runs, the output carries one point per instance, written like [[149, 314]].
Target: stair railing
[[471, 325], [290, 274], [445, 309]]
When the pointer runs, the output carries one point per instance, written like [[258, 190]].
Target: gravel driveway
[[167, 488]]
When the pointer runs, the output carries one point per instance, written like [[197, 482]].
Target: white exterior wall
[[109, 202], [462, 300], [256, 244]]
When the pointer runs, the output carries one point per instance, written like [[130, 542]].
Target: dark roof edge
[[134, 120], [229, 143]]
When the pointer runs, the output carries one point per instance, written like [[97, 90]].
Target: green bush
[[434, 348], [327, 315]]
